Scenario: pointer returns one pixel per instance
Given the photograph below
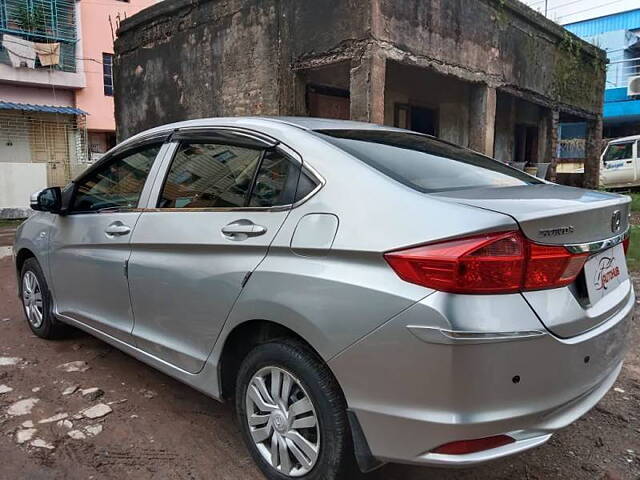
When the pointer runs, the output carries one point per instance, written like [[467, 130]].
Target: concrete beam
[[367, 85], [482, 119]]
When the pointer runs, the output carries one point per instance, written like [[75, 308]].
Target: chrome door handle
[[117, 229], [242, 229]]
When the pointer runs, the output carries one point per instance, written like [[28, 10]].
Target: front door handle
[[242, 229], [117, 229]]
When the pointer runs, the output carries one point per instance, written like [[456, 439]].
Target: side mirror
[[47, 200]]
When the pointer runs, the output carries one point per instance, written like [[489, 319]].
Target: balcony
[[38, 45]]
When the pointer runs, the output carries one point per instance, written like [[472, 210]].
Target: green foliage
[[572, 78], [633, 255], [30, 20]]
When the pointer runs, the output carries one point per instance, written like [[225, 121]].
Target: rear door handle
[[117, 229], [242, 229]]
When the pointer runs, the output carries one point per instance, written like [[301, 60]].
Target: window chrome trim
[[600, 245], [173, 145]]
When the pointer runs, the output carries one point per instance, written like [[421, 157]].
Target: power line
[[589, 9]]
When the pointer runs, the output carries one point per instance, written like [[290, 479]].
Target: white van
[[619, 163]]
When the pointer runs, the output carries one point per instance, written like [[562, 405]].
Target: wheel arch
[[245, 336], [22, 256]]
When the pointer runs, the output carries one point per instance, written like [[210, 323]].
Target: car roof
[[625, 139]]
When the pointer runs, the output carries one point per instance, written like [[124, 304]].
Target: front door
[[192, 254], [90, 245], [619, 167]]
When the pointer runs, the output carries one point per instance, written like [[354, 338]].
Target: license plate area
[[604, 272]]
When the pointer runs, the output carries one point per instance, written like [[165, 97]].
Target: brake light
[[471, 446], [505, 262]]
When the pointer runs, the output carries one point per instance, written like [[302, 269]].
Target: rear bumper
[[411, 396]]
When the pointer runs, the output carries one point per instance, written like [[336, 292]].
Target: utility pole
[[546, 9]]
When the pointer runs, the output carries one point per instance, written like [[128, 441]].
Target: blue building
[[619, 36]]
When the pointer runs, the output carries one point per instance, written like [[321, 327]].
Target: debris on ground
[[22, 407], [65, 424], [77, 366], [92, 393], [55, 418], [9, 361], [25, 435], [70, 390], [77, 435], [93, 430], [39, 443], [5, 389], [148, 393], [27, 424], [97, 411]]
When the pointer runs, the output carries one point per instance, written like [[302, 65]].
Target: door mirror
[[47, 200]]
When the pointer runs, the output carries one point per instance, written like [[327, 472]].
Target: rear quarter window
[[423, 163]]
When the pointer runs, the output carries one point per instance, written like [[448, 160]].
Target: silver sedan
[[363, 294]]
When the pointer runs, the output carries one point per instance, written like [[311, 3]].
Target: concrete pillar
[[552, 148], [482, 119], [592, 153], [366, 87]]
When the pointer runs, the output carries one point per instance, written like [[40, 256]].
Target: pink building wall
[[96, 39]]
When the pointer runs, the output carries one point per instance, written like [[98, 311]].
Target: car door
[[219, 206], [90, 244], [618, 164]]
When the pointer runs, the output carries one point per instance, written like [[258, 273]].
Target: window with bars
[[39, 21], [107, 73]]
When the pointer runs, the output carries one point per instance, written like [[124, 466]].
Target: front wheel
[[292, 414], [36, 301]]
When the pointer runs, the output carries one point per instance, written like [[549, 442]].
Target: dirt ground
[[161, 429]]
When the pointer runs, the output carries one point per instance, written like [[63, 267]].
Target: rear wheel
[[292, 414], [36, 301]]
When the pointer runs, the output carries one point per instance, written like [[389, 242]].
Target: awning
[[27, 107]]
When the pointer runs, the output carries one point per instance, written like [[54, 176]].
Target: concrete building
[[614, 27], [619, 35], [492, 75], [54, 66], [98, 22]]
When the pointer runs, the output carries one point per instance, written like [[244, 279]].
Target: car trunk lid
[[560, 215]]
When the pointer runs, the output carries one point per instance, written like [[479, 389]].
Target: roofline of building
[[518, 8], [587, 20]]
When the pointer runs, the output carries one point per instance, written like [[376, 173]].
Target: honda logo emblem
[[616, 221]]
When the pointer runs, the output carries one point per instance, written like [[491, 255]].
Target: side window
[[619, 151], [306, 185], [118, 183], [276, 181], [208, 175]]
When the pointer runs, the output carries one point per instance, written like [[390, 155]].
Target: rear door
[[214, 214]]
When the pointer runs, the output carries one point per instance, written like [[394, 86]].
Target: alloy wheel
[[32, 299], [282, 421]]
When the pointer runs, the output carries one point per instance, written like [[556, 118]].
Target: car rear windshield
[[423, 163]]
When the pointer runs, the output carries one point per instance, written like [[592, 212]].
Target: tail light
[[476, 445], [504, 262], [625, 244]]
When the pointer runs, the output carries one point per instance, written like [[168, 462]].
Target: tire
[[36, 301], [310, 378]]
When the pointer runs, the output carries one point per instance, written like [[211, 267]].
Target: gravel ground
[[153, 427]]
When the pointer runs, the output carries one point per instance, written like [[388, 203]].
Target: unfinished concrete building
[[492, 75]]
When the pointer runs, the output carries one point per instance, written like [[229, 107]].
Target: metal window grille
[[44, 21], [58, 140]]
